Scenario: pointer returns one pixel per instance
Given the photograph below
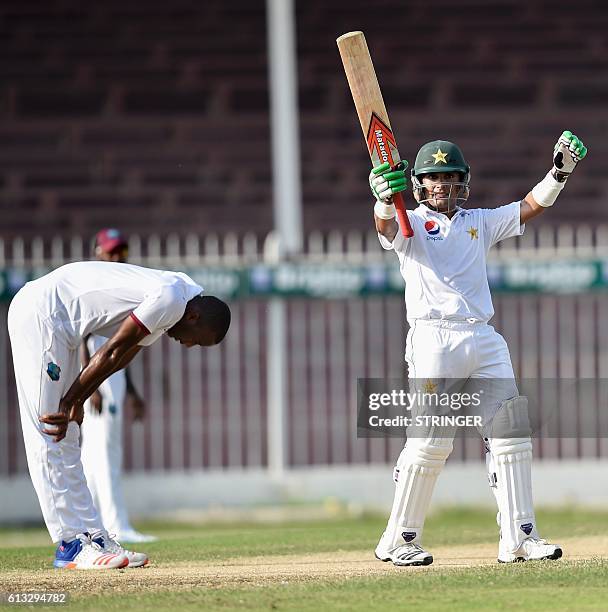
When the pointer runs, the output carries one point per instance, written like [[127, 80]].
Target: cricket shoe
[[83, 553], [406, 554], [110, 545], [531, 549]]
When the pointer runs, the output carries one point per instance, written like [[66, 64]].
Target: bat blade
[[365, 89]]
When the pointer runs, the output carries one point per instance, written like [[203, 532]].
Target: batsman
[[448, 307]]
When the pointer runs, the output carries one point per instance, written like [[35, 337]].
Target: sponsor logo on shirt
[[432, 230]]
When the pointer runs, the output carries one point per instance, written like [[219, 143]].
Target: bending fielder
[[448, 308], [47, 320]]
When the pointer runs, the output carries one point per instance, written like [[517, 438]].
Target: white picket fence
[[541, 241]]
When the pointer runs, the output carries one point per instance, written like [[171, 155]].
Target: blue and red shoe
[[83, 553]]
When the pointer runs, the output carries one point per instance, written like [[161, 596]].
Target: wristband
[[384, 211], [546, 192]]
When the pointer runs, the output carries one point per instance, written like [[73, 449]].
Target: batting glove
[[568, 151], [385, 181]]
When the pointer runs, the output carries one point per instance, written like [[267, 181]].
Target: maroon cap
[[109, 239]]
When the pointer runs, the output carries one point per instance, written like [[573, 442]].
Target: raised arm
[[568, 151]]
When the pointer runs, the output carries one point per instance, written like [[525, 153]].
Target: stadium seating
[[154, 116]]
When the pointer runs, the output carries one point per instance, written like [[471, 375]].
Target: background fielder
[[106, 410], [448, 307]]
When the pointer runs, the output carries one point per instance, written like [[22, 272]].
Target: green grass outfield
[[327, 565]]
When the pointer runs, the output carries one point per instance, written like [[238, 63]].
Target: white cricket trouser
[[438, 350], [55, 467], [102, 449]]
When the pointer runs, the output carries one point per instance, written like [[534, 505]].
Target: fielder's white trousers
[[55, 467], [102, 450]]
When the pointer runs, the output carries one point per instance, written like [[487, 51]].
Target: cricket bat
[[372, 113]]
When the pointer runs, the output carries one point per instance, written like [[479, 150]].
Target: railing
[[541, 241], [214, 408]]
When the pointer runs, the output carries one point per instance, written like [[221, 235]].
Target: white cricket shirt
[[95, 297], [444, 263]]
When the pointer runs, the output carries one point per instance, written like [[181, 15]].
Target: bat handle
[[404, 222]]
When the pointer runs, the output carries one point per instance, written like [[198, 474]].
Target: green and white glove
[[568, 151], [385, 181]]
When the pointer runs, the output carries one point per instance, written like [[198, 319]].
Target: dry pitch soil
[[267, 570]]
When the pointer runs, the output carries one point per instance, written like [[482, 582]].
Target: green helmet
[[440, 156]]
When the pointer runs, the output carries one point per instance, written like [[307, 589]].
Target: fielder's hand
[[60, 420], [568, 151], [385, 181]]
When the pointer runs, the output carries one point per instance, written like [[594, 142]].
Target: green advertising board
[[339, 280]]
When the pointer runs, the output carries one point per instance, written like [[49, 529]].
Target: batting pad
[[416, 472], [513, 478]]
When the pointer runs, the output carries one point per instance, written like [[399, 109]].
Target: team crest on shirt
[[433, 230], [53, 370]]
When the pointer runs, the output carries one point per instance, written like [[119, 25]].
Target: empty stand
[[154, 116]]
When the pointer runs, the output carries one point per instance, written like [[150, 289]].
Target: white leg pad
[[416, 472], [492, 478], [513, 473]]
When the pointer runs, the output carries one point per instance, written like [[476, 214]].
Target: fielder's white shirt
[[95, 297], [444, 263]]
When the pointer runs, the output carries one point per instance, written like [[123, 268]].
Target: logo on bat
[[381, 142]]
